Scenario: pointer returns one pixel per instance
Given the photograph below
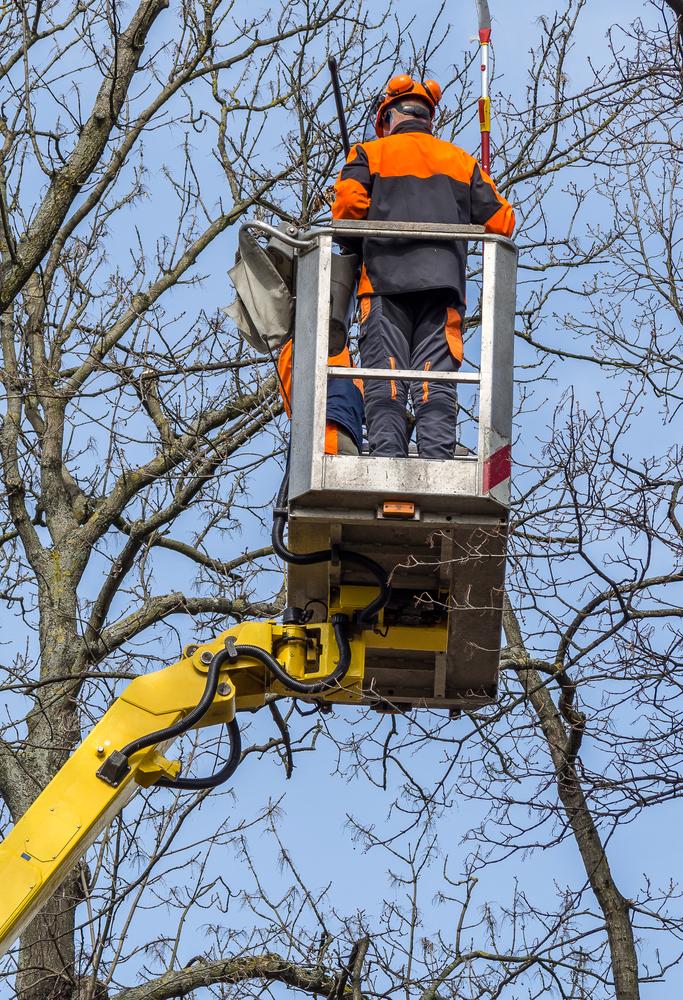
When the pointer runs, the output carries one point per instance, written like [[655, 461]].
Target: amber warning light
[[396, 508]]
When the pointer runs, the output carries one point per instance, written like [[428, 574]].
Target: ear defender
[[434, 90]]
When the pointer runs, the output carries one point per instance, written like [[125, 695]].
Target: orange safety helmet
[[404, 86]]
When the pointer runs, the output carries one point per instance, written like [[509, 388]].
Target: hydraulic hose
[[339, 624], [193, 716], [365, 617], [278, 533], [368, 615], [117, 764], [218, 777], [294, 558]]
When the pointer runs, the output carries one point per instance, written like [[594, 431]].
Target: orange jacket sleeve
[[353, 187], [489, 208]]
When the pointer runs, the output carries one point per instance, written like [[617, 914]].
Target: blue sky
[[316, 803]]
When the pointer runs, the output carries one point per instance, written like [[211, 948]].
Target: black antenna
[[332, 63]]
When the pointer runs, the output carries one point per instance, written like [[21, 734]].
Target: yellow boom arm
[[79, 802]]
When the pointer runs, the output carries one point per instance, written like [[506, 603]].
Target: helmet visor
[[373, 107]]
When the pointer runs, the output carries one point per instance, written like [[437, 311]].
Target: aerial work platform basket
[[439, 527]]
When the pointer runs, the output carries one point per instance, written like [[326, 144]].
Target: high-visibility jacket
[[411, 176], [344, 397]]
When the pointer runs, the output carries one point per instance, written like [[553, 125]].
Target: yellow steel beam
[[77, 805]]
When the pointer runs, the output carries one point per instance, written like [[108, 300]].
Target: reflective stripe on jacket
[[411, 176]]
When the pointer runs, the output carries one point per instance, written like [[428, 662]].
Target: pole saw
[[484, 16]]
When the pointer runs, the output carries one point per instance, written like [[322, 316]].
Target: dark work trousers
[[417, 330]]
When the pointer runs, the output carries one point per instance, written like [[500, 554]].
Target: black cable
[[278, 533], [192, 717], [218, 777], [340, 625], [365, 616], [294, 558], [117, 765], [304, 713], [315, 600]]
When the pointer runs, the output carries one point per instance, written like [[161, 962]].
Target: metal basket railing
[[314, 474]]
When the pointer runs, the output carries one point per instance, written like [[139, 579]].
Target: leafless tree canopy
[[139, 443]]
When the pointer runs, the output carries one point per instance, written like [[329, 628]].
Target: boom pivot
[[242, 669]]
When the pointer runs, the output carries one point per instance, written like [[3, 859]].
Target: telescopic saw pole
[[484, 16]]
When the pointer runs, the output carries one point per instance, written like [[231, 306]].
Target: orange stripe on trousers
[[425, 385], [454, 333]]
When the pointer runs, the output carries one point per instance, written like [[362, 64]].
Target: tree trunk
[[615, 908], [47, 955]]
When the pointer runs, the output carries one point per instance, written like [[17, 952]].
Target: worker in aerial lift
[[263, 312], [344, 423], [412, 294]]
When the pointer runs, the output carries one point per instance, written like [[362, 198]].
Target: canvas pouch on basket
[[263, 279]]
